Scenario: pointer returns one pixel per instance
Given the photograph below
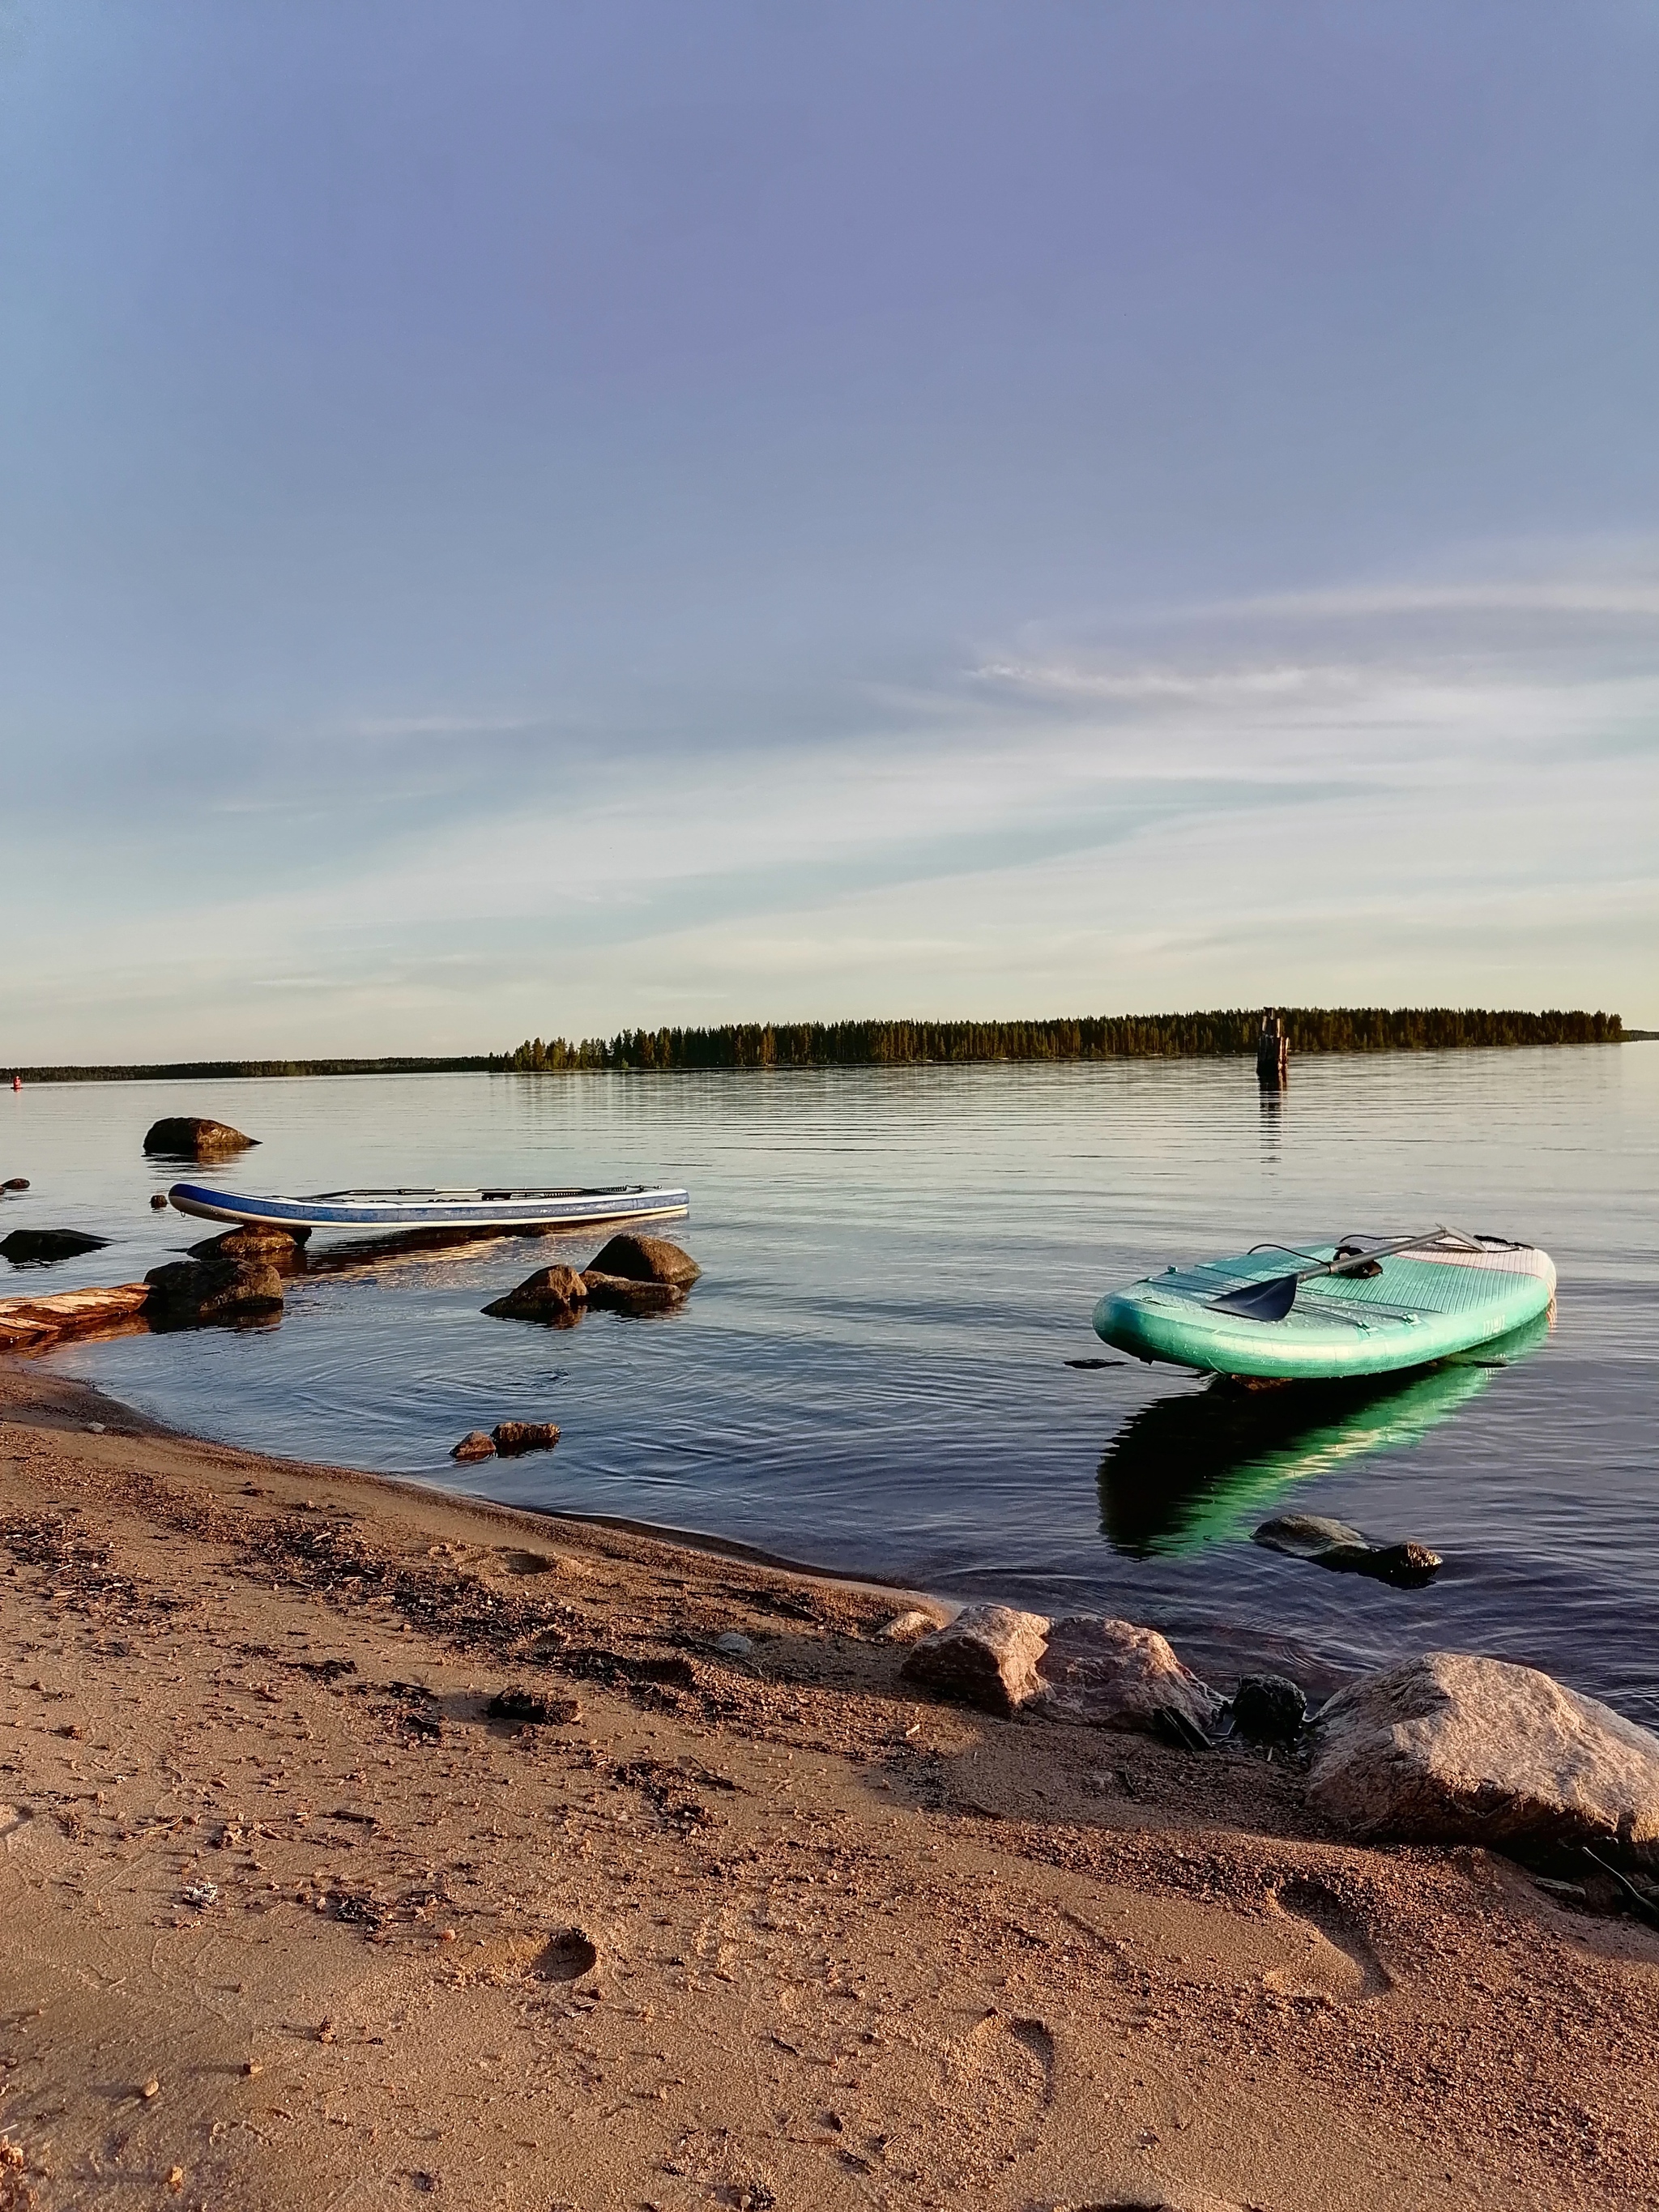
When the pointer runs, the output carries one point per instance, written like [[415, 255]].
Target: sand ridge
[[290, 1919]]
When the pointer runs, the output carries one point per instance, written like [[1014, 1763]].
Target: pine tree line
[[1145, 1037], [912, 1043]]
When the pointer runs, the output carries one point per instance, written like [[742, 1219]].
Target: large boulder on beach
[[1112, 1674], [26, 1247], [194, 1136], [645, 1259], [556, 1294], [986, 1656], [188, 1293], [1452, 1748]]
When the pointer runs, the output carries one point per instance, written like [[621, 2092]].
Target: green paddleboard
[[1446, 1295]]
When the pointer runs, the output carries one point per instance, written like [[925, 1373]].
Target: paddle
[[1272, 1300]]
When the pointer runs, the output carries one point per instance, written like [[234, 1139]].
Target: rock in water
[[557, 1295], [628, 1293], [474, 1445], [193, 1136], [986, 1656], [1111, 1673], [26, 1247], [282, 1248], [1347, 1551], [1407, 1566], [647, 1260], [512, 1438], [1268, 1709], [188, 1293], [1452, 1748], [1305, 1535], [29, 1323], [15, 1183]]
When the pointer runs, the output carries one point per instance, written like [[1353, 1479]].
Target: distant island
[[1227, 1031]]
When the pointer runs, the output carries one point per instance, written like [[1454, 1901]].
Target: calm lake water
[[897, 1266]]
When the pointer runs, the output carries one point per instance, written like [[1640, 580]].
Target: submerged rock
[[556, 1294], [1407, 1566], [647, 1260], [38, 1248], [1111, 1674], [475, 1444], [512, 1438], [194, 1136], [187, 1294], [986, 1656], [1269, 1708], [1347, 1551], [1452, 1748], [1305, 1535]]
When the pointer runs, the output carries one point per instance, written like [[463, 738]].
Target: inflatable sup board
[[1363, 1307]]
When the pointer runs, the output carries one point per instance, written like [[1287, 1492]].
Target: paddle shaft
[[1273, 1299]]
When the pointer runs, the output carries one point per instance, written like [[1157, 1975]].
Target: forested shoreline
[[1132, 1037], [1215, 1035]]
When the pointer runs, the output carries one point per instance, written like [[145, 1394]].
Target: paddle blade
[[1268, 1301]]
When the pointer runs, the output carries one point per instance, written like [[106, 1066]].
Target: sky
[[525, 519]]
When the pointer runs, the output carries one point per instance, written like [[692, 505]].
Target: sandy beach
[[292, 1919]]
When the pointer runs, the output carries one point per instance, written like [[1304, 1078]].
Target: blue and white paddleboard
[[436, 1209]]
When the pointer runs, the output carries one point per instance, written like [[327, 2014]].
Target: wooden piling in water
[[1272, 1052]]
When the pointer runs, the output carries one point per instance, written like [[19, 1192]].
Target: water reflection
[[1199, 1468], [1272, 1127]]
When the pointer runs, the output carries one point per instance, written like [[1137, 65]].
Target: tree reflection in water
[[1196, 1469]]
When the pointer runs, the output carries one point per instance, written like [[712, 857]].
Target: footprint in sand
[[998, 2081], [1341, 1963]]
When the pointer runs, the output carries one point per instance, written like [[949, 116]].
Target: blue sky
[[526, 518]]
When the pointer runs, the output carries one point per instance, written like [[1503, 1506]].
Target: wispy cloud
[[1195, 812]]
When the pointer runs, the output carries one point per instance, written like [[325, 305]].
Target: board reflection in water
[[1200, 1469]]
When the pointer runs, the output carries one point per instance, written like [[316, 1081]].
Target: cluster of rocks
[[1445, 1748], [631, 1274], [231, 1277], [1096, 1672]]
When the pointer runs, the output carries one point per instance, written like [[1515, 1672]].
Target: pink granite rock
[[986, 1656], [1111, 1673], [1452, 1748]]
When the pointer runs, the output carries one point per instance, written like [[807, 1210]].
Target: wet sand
[[287, 1919]]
